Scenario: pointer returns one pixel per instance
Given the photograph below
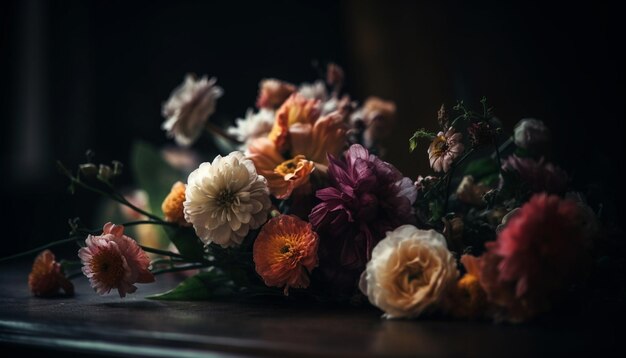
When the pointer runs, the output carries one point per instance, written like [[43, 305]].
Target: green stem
[[74, 275], [447, 178], [162, 261], [144, 222], [162, 252], [495, 145], [114, 195], [131, 223], [213, 129], [41, 248], [179, 268]]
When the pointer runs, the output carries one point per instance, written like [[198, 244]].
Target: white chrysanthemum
[[409, 271], [255, 125], [189, 107], [317, 90], [225, 199]]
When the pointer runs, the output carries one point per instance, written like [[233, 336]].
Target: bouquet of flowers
[[302, 204]]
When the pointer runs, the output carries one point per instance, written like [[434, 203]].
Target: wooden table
[[107, 325]]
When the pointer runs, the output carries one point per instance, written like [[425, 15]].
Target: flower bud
[[117, 167], [104, 172], [532, 135], [88, 169]]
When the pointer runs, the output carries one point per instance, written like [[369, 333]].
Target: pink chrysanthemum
[[114, 260], [444, 149]]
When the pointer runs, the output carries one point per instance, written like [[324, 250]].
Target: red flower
[[47, 278], [536, 257]]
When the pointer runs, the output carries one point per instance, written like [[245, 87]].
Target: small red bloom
[[46, 277]]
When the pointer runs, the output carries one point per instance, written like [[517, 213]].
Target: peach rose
[[409, 272]]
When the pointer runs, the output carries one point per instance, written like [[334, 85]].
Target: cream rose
[[409, 271]]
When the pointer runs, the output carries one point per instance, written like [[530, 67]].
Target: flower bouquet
[[301, 205]]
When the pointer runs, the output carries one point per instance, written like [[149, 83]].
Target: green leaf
[[224, 145], [212, 284], [186, 241], [153, 174], [482, 168], [420, 133]]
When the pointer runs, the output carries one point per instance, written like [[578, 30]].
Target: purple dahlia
[[367, 198], [540, 176]]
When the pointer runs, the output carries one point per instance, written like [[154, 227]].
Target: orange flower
[[173, 205], [285, 251], [315, 140], [283, 176], [272, 93], [296, 109], [46, 277], [467, 299]]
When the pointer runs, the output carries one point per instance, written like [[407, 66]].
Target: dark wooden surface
[[107, 325]]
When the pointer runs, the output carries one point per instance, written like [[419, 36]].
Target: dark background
[[93, 74]]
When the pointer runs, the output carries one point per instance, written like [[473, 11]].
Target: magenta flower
[[367, 198], [114, 260], [539, 175]]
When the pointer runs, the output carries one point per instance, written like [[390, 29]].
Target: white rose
[[409, 271]]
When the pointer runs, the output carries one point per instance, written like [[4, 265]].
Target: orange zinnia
[[285, 252], [283, 176]]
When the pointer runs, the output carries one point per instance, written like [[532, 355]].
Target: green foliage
[[153, 174], [484, 170], [224, 145], [186, 241], [420, 133], [212, 284], [436, 208]]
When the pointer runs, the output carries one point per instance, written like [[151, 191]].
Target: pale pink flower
[[273, 92], [189, 107], [114, 260], [444, 149]]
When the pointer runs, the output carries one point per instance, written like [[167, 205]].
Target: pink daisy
[[114, 260], [444, 149]]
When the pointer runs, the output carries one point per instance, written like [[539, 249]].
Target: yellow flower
[[173, 205]]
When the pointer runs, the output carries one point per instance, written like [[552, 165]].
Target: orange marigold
[[46, 277], [467, 299], [285, 252], [173, 205]]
